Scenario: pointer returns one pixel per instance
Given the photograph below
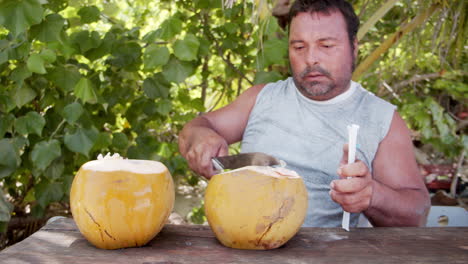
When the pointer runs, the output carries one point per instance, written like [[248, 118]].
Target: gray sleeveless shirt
[[309, 136]]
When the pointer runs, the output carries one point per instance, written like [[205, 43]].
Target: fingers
[[353, 202], [349, 185], [357, 169], [200, 154], [354, 190]]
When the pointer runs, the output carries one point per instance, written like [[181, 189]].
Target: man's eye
[[299, 47], [327, 46]]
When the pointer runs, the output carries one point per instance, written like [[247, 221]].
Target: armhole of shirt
[[387, 121]]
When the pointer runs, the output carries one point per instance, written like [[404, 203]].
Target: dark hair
[[326, 7]]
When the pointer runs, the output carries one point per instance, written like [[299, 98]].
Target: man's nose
[[312, 57]]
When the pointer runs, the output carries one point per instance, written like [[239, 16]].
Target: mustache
[[315, 68]]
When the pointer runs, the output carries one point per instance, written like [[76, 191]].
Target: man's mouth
[[313, 75]]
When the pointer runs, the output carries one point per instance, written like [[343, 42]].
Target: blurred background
[[84, 77]]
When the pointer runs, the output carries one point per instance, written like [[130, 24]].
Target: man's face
[[320, 54]]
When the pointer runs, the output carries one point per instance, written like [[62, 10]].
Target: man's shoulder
[[372, 99], [279, 86]]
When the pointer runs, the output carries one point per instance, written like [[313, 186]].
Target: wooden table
[[61, 242]]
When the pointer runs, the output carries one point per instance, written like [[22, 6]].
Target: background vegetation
[[83, 77]]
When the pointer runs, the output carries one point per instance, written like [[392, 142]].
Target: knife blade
[[244, 159]]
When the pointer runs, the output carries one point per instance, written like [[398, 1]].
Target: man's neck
[[328, 96], [338, 98]]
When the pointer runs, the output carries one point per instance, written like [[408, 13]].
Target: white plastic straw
[[352, 138]]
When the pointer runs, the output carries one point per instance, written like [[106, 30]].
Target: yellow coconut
[[256, 207], [119, 203]]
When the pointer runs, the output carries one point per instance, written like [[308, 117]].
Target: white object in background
[[352, 138], [440, 216]]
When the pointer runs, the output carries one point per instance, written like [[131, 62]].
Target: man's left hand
[[353, 194]]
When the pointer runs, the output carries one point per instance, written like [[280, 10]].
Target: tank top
[[309, 136]]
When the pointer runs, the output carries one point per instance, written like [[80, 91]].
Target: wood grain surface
[[61, 242]]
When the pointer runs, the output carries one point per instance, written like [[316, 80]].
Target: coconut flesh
[[256, 207], [118, 203]]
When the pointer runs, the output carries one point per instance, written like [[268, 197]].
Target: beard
[[314, 88], [326, 87]]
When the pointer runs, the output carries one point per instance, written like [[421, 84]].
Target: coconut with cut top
[[256, 207], [119, 203]]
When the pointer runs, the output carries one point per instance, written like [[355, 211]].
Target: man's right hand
[[208, 136], [202, 145]]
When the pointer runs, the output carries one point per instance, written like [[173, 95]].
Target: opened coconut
[[118, 203], [256, 207]]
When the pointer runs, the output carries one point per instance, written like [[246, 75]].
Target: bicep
[[395, 163], [231, 120]]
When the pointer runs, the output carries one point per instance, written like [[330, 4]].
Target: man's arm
[[395, 195], [208, 136], [400, 197]]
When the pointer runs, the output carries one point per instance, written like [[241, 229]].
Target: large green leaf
[[164, 107], [57, 5], [86, 40], [103, 141], [3, 56], [169, 29], [267, 77], [72, 112], [187, 49], [44, 153], [156, 86], [48, 55], [127, 55], [47, 192], [6, 123], [9, 158], [82, 140], [207, 4], [20, 142], [32, 122], [36, 64], [89, 14], [120, 141], [103, 49], [155, 56], [49, 29], [65, 77], [274, 52], [177, 71], [7, 101], [20, 52], [4, 47], [23, 94], [84, 90], [20, 73], [17, 16], [204, 48], [55, 169]]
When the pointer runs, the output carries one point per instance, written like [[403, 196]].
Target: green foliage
[[79, 78], [89, 14], [197, 215], [17, 16]]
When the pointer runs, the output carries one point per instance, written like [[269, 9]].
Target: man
[[302, 120]]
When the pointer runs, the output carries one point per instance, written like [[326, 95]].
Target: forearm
[[402, 207]]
